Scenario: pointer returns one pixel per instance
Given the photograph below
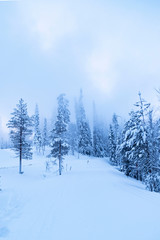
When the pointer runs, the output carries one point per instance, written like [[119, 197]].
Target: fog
[[110, 49]]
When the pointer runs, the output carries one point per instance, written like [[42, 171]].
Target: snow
[[90, 201]]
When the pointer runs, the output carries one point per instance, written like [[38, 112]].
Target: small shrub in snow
[[50, 164]]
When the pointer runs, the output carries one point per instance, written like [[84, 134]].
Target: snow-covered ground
[[90, 201]]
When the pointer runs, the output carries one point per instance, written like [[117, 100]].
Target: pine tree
[[84, 132], [20, 124], [59, 139], [118, 138], [135, 147], [142, 138], [114, 141], [72, 137], [140, 146], [37, 133], [112, 146], [152, 180], [98, 140], [128, 145], [105, 138], [45, 141], [115, 126]]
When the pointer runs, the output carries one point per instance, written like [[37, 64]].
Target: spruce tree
[[84, 132], [72, 137], [114, 141], [37, 133], [128, 145], [135, 146], [20, 125], [118, 138], [45, 141], [59, 141], [153, 173], [112, 146], [98, 140], [142, 146]]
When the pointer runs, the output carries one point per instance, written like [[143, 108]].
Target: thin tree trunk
[[20, 161], [60, 164], [20, 153]]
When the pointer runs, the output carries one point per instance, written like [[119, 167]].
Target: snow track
[[92, 202]]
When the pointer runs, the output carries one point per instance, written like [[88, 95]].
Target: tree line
[[133, 148]]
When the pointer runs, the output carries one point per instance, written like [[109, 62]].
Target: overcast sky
[[110, 49]]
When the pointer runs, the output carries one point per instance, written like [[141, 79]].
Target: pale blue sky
[[111, 49]]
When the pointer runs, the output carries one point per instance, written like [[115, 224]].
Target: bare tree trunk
[[20, 153], [60, 163], [20, 161]]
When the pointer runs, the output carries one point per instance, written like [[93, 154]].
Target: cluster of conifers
[[134, 147]]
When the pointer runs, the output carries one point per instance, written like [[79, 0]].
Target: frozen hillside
[[90, 201]]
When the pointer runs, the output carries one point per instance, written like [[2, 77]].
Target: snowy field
[[90, 201]]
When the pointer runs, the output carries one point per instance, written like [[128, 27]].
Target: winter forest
[[79, 120], [133, 147]]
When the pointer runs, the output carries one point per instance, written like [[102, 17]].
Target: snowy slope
[[90, 201]]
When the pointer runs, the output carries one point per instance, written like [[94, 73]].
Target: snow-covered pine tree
[[134, 148], [59, 141], [153, 167], [142, 137], [157, 136], [115, 126], [98, 141], [105, 134], [112, 146], [20, 125], [114, 141], [128, 144], [72, 137], [84, 132], [45, 140], [37, 133]]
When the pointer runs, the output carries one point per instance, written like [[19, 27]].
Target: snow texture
[[91, 200]]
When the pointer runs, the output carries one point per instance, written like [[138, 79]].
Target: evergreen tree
[[98, 141], [118, 138], [115, 126], [153, 177], [84, 132], [135, 148], [45, 141], [157, 136], [59, 139], [114, 141], [105, 134], [128, 145], [72, 137], [142, 146], [112, 146], [20, 124], [37, 133]]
